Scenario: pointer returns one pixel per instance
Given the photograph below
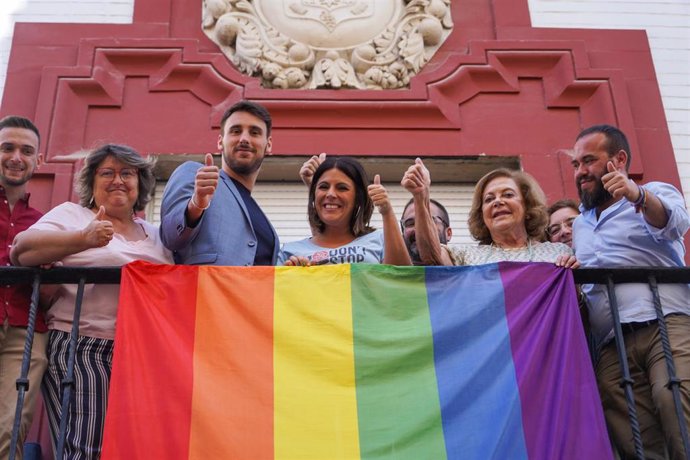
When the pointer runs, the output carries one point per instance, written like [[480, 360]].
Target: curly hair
[[364, 207], [123, 154], [536, 218]]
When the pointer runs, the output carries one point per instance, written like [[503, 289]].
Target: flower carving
[[330, 44]]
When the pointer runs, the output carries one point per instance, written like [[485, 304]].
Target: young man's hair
[[13, 121], [258, 110]]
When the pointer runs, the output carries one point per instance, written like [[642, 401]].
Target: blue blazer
[[223, 236]]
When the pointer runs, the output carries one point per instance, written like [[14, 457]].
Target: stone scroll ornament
[[332, 44]]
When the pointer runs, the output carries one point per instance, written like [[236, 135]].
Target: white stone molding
[[332, 44]]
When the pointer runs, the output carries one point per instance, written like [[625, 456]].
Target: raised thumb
[[101, 213], [377, 179], [208, 161]]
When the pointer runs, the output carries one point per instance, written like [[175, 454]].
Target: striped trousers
[[86, 414]]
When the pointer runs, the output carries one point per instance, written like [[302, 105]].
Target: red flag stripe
[[137, 425]]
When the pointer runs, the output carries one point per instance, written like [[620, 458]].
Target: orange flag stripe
[[232, 402]]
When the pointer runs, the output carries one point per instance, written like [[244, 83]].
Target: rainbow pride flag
[[351, 361]]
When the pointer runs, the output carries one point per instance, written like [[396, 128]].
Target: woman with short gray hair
[[103, 230]]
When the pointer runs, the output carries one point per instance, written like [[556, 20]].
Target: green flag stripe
[[397, 398]]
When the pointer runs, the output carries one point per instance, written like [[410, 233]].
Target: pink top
[[99, 307]]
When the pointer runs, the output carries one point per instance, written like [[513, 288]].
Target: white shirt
[[99, 307]]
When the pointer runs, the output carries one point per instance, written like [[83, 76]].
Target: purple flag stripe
[[561, 410]]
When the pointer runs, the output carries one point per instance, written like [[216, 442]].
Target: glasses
[[126, 174], [409, 223], [555, 229]]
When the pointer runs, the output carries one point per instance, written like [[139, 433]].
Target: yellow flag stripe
[[314, 369]]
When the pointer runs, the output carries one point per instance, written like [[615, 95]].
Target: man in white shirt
[[624, 224]]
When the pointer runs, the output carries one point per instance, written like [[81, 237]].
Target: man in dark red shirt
[[19, 158]]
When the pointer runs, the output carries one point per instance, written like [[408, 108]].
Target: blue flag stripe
[[480, 402]]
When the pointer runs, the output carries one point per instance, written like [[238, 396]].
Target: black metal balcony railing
[[652, 276]]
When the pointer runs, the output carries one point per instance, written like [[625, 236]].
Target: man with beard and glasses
[[19, 158], [407, 224], [625, 224], [208, 216]]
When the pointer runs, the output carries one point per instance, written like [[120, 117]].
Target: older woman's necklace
[[508, 254]]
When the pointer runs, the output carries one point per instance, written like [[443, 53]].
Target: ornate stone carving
[[366, 44]]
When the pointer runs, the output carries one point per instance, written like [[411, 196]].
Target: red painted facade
[[497, 86]]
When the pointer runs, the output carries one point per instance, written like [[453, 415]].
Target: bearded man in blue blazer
[[208, 216]]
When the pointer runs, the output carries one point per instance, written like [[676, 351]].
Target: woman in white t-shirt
[[102, 230], [340, 207]]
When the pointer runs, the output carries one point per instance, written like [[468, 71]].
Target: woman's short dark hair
[[533, 198], [123, 154], [563, 204], [364, 207]]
